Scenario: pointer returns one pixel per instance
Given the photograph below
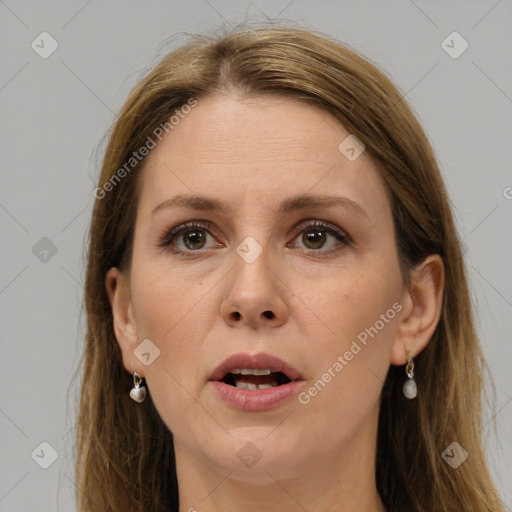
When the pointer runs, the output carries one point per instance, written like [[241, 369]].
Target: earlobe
[[118, 290], [423, 304]]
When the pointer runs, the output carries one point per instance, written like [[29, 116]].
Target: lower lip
[[256, 400]]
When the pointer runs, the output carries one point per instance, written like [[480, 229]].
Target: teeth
[[252, 387], [248, 371]]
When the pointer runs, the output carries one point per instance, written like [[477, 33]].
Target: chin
[[258, 453]]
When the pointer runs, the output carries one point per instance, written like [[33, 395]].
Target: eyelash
[[167, 237]]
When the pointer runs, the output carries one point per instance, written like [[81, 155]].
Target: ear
[[125, 328], [422, 309]]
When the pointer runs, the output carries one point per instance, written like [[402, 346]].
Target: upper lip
[[252, 361]]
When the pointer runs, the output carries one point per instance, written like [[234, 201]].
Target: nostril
[[267, 314]]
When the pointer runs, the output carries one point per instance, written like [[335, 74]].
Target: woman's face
[[297, 260]]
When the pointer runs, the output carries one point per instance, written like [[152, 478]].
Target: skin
[[252, 154]]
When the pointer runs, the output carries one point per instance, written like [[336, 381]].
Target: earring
[[138, 392], [409, 389]]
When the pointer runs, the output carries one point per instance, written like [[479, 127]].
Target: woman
[[277, 305]]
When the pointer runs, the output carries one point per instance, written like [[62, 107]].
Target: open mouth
[[254, 379], [255, 382]]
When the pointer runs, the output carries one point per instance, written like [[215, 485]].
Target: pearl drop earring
[[409, 389], [138, 392]]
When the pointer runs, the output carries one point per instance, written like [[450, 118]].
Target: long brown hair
[[124, 452]]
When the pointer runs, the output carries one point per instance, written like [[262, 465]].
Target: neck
[[339, 480]]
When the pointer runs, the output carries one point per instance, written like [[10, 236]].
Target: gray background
[[55, 112]]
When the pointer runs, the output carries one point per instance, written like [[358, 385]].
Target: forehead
[[235, 149]]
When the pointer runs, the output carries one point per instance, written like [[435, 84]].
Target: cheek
[[175, 311], [166, 301], [348, 301], [349, 368], [358, 309]]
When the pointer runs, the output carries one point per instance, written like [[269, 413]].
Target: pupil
[[194, 237], [316, 238]]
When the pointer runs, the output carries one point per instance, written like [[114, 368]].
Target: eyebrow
[[291, 204]]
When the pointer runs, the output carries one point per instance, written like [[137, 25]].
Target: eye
[[187, 238], [314, 235], [192, 237]]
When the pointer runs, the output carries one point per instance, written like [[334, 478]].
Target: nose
[[254, 295]]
